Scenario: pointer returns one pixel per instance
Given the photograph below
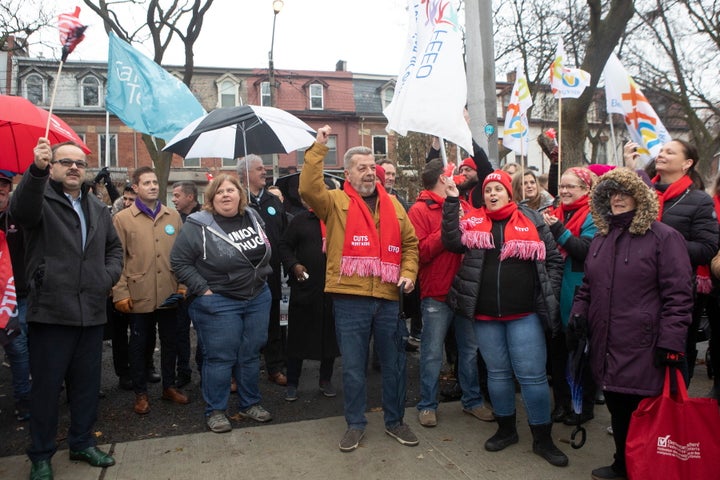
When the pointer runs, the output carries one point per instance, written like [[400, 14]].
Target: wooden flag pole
[[559, 136], [52, 99]]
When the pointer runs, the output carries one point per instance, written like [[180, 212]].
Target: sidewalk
[[309, 450]]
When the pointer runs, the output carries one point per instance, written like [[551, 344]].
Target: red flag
[[9, 323], [72, 31]]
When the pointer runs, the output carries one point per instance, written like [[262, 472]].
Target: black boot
[[505, 436], [543, 445]]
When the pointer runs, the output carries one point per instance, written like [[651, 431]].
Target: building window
[[387, 96], [103, 160], [229, 163], [316, 96], [35, 89], [379, 147], [228, 94], [265, 94], [90, 92], [191, 162], [330, 158]]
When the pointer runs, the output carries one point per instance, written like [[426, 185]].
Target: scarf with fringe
[[521, 236], [365, 253]]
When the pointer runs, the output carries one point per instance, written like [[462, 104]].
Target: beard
[[362, 189], [467, 185]]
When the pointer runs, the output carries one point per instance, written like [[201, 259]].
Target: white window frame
[[43, 88], [315, 93], [98, 85], [228, 87], [265, 94], [113, 149], [387, 95]]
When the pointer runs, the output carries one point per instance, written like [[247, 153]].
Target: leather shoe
[[94, 456], [142, 404], [278, 378], [174, 395], [41, 470], [152, 376]]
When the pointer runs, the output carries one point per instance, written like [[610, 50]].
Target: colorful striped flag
[[71, 30], [515, 133]]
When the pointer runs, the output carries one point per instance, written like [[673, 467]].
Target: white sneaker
[[257, 413], [427, 418]]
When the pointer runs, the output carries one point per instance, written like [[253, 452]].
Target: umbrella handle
[[583, 436]]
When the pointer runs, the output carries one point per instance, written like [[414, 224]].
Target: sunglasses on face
[[67, 162]]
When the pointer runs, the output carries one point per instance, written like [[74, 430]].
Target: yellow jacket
[[331, 206]]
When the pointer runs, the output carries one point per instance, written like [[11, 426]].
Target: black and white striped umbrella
[[233, 132]]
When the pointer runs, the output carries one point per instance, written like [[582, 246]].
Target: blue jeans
[[17, 352], [516, 346], [437, 317], [355, 318], [232, 333]]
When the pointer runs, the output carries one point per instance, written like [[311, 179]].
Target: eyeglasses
[[68, 162], [569, 187]]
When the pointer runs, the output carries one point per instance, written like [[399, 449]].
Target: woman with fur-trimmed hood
[[635, 302]]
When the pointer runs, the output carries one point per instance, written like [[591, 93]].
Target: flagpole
[[522, 164], [52, 99], [443, 153], [559, 142], [613, 140], [107, 139]]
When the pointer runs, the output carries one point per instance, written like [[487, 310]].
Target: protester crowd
[[503, 281]]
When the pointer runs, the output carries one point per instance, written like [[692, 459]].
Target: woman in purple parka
[[635, 303]]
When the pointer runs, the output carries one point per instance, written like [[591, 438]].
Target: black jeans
[[183, 339], [294, 369], [621, 406], [74, 355], [120, 351], [141, 326]]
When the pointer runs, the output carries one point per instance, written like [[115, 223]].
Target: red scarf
[[675, 189], [364, 252], [581, 207], [521, 237]]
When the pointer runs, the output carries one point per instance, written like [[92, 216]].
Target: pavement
[[309, 450]]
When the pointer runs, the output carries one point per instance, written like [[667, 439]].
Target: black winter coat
[[463, 295], [68, 285], [272, 212], [311, 324]]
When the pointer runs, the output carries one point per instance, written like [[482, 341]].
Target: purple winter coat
[[637, 289]]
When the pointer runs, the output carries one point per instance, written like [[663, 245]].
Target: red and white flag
[[566, 82], [516, 129], [72, 31]]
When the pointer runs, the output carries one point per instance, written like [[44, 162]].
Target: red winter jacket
[[437, 265]]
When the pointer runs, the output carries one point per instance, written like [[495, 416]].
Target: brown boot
[[174, 395], [142, 405]]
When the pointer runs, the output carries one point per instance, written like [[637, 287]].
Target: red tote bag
[[673, 436]]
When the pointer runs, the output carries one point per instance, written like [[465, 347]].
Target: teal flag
[[145, 96]]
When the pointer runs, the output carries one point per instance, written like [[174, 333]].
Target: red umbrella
[[21, 124]]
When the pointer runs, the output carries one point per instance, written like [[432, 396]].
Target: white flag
[[566, 82], [623, 96], [431, 89], [515, 133]]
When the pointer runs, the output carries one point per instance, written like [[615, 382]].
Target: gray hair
[[244, 163], [347, 159], [188, 188]]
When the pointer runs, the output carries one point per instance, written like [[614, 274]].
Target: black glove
[[577, 330], [665, 357], [104, 175]]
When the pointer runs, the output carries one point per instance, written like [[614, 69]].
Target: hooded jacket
[[637, 289], [204, 257]]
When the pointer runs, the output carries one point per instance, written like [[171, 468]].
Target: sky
[[370, 35]]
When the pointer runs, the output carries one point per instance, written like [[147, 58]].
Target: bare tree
[[21, 19], [685, 36], [164, 20]]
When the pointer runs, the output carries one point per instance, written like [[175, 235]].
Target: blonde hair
[[212, 189]]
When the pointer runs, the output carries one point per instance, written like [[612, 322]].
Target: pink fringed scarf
[[521, 237], [365, 253]]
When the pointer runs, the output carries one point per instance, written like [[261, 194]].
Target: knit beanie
[[500, 176], [468, 162]]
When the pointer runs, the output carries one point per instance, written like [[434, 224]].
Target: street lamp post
[[277, 6]]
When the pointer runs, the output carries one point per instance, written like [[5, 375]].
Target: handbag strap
[[681, 394]]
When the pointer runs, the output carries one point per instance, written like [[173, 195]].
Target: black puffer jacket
[[463, 295], [693, 215]]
